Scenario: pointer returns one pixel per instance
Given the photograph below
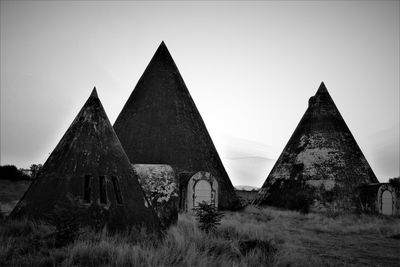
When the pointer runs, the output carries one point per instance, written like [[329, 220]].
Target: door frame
[[199, 176], [383, 188]]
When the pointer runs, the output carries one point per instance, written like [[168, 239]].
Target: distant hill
[[246, 187]]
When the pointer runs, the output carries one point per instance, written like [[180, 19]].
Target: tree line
[[11, 172]]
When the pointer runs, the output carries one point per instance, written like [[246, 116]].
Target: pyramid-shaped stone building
[[160, 124], [321, 159], [88, 171]]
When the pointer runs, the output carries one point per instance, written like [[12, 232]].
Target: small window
[[103, 189], [87, 191], [117, 190]]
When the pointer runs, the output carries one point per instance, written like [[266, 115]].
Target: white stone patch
[[316, 139], [314, 155], [302, 140]]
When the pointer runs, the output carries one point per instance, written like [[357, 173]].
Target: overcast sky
[[249, 66]]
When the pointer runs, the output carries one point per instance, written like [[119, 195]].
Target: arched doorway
[[202, 192], [202, 186], [387, 202]]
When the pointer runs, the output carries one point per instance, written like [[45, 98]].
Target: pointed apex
[[161, 56], [94, 93], [322, 88], [162, 47]]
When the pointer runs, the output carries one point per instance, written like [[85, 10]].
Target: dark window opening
[[103, 189], [117, 190], [87, 189]]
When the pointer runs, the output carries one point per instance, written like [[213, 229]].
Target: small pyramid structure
[[160, 124], [89, 171], [323, 153]]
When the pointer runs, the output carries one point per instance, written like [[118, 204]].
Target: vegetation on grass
[[182, 245], [252, 237], [208, 217]]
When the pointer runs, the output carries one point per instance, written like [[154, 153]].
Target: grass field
[[253, 237], [10, 193]]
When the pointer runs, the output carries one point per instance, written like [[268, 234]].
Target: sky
[[250, 68]]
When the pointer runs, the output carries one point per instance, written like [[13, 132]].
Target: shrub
[[208, 217], [162, 192], [395, 182], [292, 194], [10, 172], [35, 170], [301, 201], [66, 219], [299, 197]]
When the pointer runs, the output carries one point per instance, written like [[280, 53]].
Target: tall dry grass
[[24, 243], [182, 245], [307, 239], [252, 237]]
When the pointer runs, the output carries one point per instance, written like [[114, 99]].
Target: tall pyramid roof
[[322, 151], [160, 124], [90, 168]]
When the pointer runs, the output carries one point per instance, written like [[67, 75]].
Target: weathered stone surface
[[159, 184], [160, 124], [323, 154], [112, 194]]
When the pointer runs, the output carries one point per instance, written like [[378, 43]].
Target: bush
[[301, 201], [291, 194], [208, 217], [35, 170], [66, 220], [162, 192], [395, 182], [10, 172]]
